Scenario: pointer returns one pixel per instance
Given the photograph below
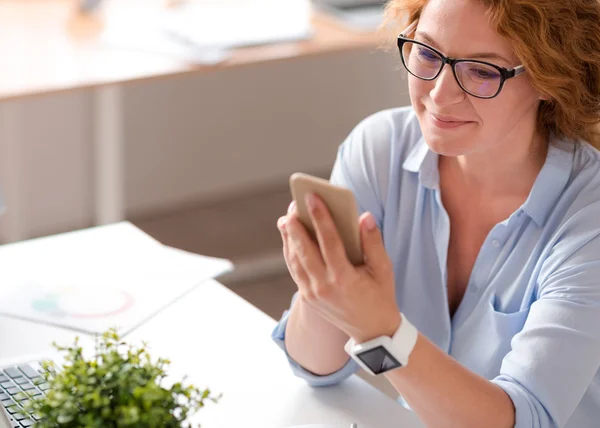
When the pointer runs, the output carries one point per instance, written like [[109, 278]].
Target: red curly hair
[[558, 41]]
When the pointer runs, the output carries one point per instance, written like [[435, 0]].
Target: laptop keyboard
[[14, 381]]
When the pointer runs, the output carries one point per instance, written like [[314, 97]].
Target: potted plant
[[119, 386]]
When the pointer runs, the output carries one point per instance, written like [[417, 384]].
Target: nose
[[446, 90]]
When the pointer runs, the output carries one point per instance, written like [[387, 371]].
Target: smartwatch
[[384, 353]]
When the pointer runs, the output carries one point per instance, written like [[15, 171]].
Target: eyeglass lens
[[477, 79]]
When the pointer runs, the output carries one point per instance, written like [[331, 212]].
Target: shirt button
[[495, 243]]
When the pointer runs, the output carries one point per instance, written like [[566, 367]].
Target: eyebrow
[[486, 55]]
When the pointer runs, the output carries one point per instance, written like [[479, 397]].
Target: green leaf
[[119, 386]]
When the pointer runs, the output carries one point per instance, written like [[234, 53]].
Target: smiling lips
[[447, 122]]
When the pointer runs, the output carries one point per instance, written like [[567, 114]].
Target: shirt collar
[[422, 160], [546, 190], [551, 180]]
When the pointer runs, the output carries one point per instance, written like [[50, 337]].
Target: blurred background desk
[[61, 89], [197, 156], [47, 48]]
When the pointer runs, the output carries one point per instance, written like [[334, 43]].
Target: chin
[[450, 145], [444, 148], [450, 142]]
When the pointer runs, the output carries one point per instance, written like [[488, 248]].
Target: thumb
[[372, 244]]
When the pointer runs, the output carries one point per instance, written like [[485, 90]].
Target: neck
[[508, 169]]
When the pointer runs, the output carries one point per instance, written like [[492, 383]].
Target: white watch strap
[[404, 340], [400, 345]]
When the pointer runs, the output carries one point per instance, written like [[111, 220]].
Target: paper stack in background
[[98, 278], [203, 31], [361, 15]]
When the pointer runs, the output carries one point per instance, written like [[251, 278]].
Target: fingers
[[301, 254], [376, 257], [305, 250], [296, 270], [330, 242]]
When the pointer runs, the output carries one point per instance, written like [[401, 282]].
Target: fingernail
[[370, 222], [311, 201], [292, 206], [281, 224]]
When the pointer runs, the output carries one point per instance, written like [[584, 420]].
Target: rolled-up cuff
[[278, 335], [524, 413]]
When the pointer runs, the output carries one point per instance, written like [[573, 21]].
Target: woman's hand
[[359, 300]]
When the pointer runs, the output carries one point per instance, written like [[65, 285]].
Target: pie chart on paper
[[83, 302]]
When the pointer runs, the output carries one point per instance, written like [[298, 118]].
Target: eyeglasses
[[480, 79]]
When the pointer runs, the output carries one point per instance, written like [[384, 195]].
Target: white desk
[[221, 341]]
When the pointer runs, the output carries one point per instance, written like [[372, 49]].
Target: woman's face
[[453, 122]]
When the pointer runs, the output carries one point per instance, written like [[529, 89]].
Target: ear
[[543, 97]]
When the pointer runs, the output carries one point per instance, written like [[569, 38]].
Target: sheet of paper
[[233, 23], [205, 31], [357, 14], [91, 280], [144, 33]]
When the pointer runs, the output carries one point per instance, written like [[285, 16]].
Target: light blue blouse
[[530, 317]]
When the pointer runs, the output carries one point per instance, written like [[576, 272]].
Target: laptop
[[14, 381]]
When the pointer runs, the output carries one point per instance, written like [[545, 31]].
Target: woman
[[480, 223]]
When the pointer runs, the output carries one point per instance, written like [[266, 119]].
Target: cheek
[[418, 90], [501, 114], [488, 112]]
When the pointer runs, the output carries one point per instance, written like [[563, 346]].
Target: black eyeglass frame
[[505, 73]]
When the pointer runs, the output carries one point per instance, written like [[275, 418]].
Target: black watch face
[[379, 360]]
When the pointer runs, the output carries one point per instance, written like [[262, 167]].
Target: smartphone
[[342, 207]]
